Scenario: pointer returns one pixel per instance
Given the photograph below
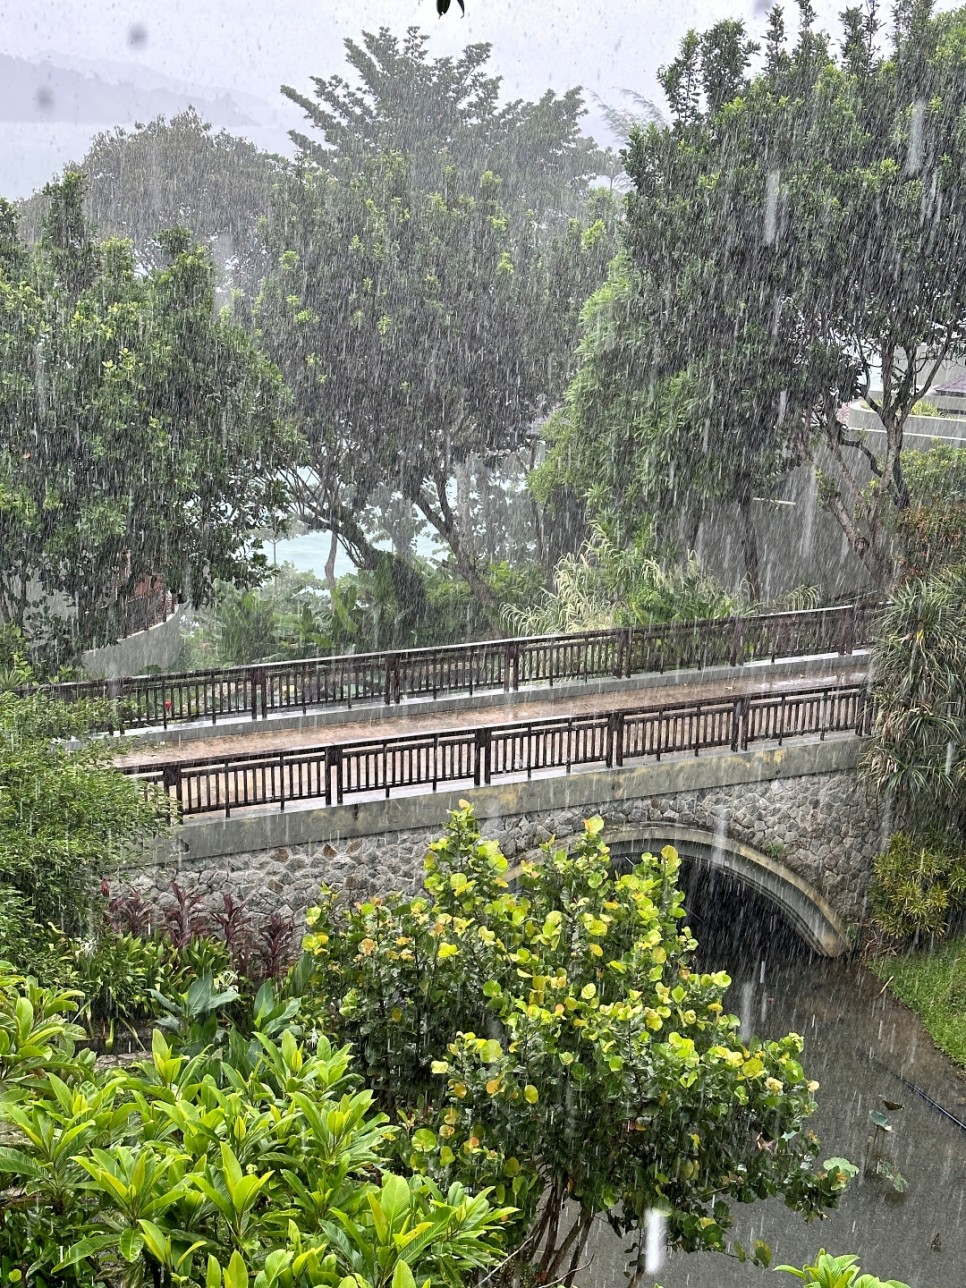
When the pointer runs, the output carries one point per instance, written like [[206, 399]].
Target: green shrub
[[917, 883], [554, 1041], [838, 1272], [262, 1164], [67, 816]]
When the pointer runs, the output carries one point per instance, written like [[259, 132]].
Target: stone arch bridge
[[791, 822]]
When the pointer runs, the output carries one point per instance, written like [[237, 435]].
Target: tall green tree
[[796, 233], [426, 283], [176, 173], [142, 431], [642, 450]]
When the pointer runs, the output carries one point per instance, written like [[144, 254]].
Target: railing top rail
[[547, 724], [244, 673]]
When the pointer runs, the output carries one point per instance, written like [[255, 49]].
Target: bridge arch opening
[[797, 902]]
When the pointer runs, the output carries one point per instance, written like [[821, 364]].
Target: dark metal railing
[[481, 755], [314, 683]]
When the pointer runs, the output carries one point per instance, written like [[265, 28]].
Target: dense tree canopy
[[177, 173], [796, 236], [425, 289], [647, 452], [792, 242], [141, 430]]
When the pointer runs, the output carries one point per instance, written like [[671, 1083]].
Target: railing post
[[626, 666], [333, 769], [614, 743], [735, 641], [739, 731], [850, 632], [392, 678], [256, 681], [481, 758], [512, 681], [171, 780], [863, 712]]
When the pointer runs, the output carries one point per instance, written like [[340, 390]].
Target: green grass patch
[[932, 982]]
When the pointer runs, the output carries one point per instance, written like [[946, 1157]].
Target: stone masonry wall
[[820, 826]]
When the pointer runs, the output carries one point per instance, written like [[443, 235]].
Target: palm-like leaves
[[915, 755]]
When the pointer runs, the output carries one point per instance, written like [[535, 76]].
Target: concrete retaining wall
[[157, 646]]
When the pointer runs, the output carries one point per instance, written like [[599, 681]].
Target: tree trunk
[[444, 521], [749, 550], [330, 579]]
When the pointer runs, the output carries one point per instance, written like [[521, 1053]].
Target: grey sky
[[254, 46], [251, 45]]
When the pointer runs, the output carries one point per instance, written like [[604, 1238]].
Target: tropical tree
[[171, 174], [404, 101], [813, 217], [644, 449], [915, 755], [143, 431], [426, 288], [555, 1041], [67, 818]]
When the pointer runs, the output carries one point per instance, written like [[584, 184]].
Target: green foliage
[[36, 1040], [66, 816], [932, 528], [115, 975], [925, 408], [553, 1040], [263, 1166], [793, 203], [932, 981], [140, 182], [142, 429], [612, 583], [450, 274], [838, 1272], [641, 448], [914, 757], [918, 882], [395, 605]]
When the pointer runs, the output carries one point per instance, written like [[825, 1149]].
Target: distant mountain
[[41, 91], [279, 114]]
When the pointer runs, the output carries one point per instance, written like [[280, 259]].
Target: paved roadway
[[419, 716]]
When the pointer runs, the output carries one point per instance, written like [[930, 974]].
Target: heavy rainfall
[[482, 644]]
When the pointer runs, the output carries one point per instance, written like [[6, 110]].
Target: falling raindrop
[[746, 1009], [655, 1241], [771, 207], [917, 119]]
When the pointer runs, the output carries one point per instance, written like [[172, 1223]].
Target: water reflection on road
[[864, 1048]]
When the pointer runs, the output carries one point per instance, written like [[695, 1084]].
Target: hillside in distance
[[39, 91]]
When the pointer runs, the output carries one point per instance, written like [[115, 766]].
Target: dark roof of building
[[956, 387]]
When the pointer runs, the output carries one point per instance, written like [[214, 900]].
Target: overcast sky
[[257, 45]]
